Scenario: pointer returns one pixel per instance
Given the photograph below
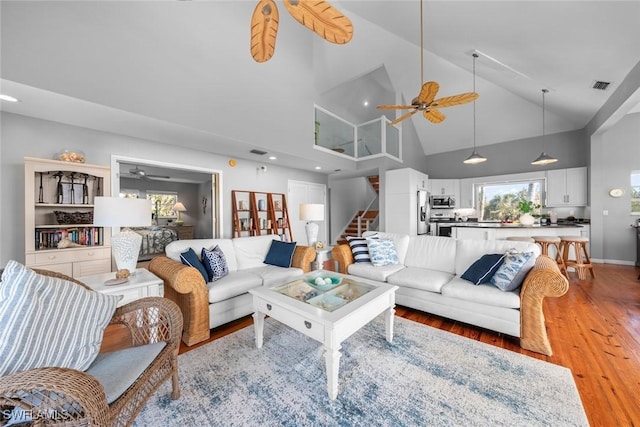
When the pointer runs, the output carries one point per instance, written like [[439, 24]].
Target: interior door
[[306, 192]]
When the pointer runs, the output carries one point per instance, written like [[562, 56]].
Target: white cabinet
[[567, 187], [405, 180], [465, 201], [448, 187], [59, 234], [401, 200], [141, 284]]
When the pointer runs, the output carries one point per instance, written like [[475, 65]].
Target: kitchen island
[[500, 231]]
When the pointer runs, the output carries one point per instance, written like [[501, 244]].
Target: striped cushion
[[48, 321], [359, 248]]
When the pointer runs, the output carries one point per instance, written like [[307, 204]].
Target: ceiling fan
[[318, 16], [425, 101], [142, 174]]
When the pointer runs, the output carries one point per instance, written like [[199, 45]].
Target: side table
[[141, 284], [322, 255]]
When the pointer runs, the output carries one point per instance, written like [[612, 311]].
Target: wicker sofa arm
[[544, 280], [149, 320], [343, 255], [53, 396], [303, 256], [185, 286]]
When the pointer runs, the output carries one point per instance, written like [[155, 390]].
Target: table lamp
[[179, 207], [121, 212], [312, 212]]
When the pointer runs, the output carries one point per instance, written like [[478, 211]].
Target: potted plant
[[526, 208]]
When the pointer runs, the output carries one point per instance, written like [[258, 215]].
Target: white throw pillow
[[49, 322]]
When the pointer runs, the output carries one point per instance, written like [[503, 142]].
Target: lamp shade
[[544, 159], [179, 207], [120, 212], [475, 158], [311, 212]]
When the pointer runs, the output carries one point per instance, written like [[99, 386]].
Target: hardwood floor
[[594, 331]]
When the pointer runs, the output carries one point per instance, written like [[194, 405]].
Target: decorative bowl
[[74, 217], [335, 281], [75, 156]]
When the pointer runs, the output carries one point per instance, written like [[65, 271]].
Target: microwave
[[443, 202]]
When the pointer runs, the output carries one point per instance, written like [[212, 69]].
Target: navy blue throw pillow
[[280, 253], [483, 269], [190, 258]]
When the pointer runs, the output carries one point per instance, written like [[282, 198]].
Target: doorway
[[204, 199], [306, 192]]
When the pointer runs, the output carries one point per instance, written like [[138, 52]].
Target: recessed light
[[366, 103], [8, 98], [318, 168], [272, 157]]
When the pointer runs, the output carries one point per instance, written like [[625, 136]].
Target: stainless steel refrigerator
[[424, 212]]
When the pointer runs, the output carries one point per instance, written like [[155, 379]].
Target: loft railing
[[356, 141]]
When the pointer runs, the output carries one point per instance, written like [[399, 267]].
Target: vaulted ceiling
[[181, 73]]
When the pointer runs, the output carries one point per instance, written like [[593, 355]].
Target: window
[[162, 204], [635, 192], [498, 201]]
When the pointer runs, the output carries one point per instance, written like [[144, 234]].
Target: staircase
[[366, 218]]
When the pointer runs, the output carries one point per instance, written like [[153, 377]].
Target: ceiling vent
[[599, 85], [259, 152]]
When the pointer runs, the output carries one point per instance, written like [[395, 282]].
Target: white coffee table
[[291, 304]]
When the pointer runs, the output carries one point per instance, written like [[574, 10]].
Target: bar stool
[[582, 262], [547, 241], [520, 239]]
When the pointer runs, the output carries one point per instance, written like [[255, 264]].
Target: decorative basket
[[75, 156], [74, 217]]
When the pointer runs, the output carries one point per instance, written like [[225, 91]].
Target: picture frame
[[242, 205], [319, 244]]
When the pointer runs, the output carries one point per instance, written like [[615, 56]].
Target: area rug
[[425, 377]]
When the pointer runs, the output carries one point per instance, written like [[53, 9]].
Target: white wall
[[614, 154], [28, 137]]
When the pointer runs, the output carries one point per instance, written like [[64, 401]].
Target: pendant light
[[474, 158], [544, 158]]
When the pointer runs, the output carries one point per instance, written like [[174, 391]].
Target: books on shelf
[[48, 238]]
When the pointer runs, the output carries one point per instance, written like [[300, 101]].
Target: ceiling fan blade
[[450, 101], [395, 107], [321, 18], [264, 28], [434, 115], [404, 116], [428, 92]]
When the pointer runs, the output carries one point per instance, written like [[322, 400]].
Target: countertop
[[509, 225]]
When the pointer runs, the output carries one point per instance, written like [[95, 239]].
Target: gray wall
[[23, 136], [570, 148], [614, 154]]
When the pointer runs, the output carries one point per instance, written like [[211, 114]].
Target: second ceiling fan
[[425, 101]]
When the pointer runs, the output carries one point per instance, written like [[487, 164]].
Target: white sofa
[[428, 279], [207, 305]]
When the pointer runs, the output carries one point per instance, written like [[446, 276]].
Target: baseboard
[[612, 261]]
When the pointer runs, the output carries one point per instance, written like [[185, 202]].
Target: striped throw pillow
[[359, 248], [49, 322]]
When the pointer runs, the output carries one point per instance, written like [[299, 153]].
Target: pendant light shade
[[544, 158], [474, 158]]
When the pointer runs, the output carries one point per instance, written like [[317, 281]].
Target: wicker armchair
[[62, 396]]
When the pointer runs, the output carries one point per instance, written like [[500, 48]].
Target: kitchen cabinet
[[567, 187], [59, 231], [400, 181], [466, 199], [444, 187], [401, 200]]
